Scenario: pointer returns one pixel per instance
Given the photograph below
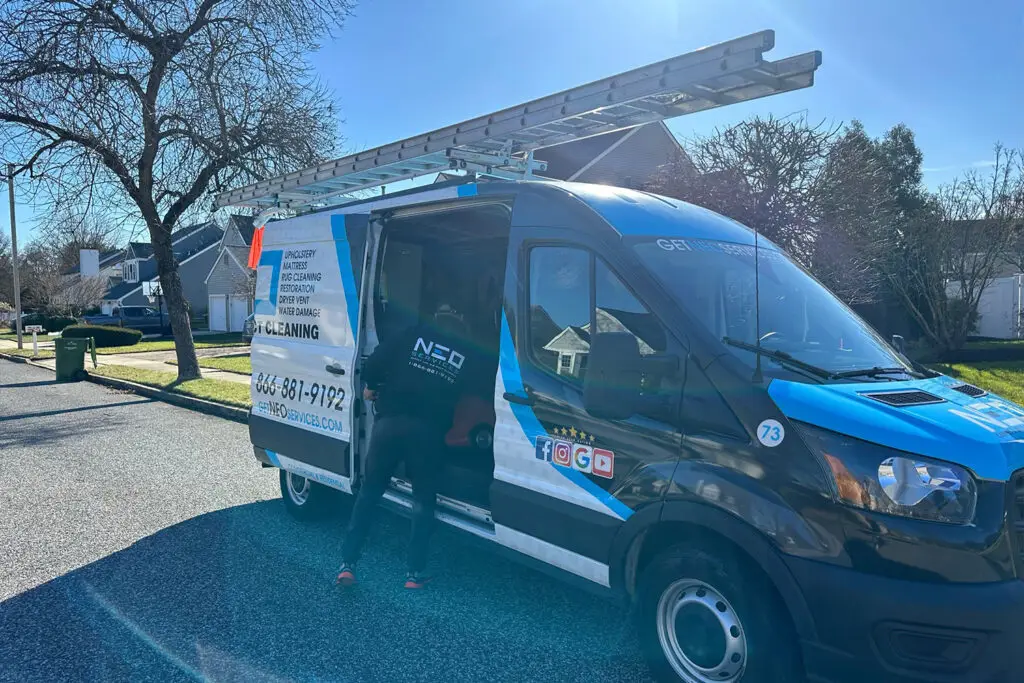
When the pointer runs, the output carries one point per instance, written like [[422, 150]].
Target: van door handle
[[520, 399], [335, 369]]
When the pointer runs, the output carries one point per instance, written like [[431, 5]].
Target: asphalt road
[[139, 541]]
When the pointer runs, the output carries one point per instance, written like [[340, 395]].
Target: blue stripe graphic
[[272, 258], [348, 278], [467, 190], [532, 427]]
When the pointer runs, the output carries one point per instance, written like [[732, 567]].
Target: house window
[[130, 271], [560, 309]]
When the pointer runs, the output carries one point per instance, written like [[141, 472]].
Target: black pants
[[396, 438]]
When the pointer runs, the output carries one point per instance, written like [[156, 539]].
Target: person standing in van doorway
[[416, 378]]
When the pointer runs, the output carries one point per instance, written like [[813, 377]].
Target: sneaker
[[346, 576], [415, 580]]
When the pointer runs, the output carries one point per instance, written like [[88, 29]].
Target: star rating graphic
[[577, 435]]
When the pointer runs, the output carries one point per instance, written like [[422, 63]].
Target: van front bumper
[[872, 628]]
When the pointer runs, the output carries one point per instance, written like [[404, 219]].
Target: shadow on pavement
[[246, 594], [64, 411], [21, 385]]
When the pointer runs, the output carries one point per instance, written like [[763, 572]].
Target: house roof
[[569, 157], [245, 227], [107, 259], [186, 243], [141, 249], [570, 160], [643, 326]]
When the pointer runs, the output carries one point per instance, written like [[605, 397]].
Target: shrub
[[105, 335], [50, 323]]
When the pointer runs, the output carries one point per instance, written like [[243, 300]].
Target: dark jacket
[[421, 372]]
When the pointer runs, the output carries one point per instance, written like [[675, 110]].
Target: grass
[[27, 352], [1005, 378], [995, 344], [216, 390], [241, 364], [212, 341]]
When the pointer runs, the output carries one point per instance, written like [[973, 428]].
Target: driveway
[[142, 542]]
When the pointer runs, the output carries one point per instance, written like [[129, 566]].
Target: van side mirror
[[611, 388]]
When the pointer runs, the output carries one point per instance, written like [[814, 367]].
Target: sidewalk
[[153, 360]]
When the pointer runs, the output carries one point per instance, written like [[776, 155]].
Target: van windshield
[[714, 281]]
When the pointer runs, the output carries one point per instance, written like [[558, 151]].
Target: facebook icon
[[544, 448]]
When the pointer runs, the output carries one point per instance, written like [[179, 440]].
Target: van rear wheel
[[701, 618], [306, 499]]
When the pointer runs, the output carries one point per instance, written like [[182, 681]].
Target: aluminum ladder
[[501, 143]]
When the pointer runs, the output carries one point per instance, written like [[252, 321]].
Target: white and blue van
[[678, 415]]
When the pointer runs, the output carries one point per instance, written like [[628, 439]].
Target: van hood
[[984, 433]]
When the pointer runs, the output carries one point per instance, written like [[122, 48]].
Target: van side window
[[617, 310], [559, 325]]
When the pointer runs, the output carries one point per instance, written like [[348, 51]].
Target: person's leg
[[423, 462], [385, 451]]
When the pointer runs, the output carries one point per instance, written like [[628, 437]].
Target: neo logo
[[440, 352]]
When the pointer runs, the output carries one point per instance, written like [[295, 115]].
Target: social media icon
[[544, 447], [583, 458], [604, 463], [563, 454]]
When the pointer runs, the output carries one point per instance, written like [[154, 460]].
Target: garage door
[[239, 311], [219, 313]]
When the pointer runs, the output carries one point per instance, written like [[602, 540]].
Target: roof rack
[[501, 144]]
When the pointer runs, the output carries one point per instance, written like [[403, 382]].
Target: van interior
[[454, 258]]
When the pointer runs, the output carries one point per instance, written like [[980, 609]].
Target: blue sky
[[952, 70]]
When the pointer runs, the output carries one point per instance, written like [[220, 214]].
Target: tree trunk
[[177, 311]]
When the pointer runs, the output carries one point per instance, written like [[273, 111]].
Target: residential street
[[141, 541]]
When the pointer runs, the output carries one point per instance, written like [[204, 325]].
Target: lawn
[[241, 364], [1005, 378], [27, 352], [218, 391], [996, 344], [210, 341]]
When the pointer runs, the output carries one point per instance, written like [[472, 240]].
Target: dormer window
[[130, 270]]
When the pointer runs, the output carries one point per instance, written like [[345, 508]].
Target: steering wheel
[[773, 333]]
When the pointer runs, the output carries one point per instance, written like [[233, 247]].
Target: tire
[[737, 628], [305, 499]]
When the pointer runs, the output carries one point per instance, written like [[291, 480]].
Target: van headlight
[[893, 482]]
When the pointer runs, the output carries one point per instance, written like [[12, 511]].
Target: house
[[625, 158], [195, 251], [572, 344], [230, 283]]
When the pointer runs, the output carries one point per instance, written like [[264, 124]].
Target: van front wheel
[[702, 619], [303, 498]]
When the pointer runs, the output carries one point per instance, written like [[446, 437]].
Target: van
[[679, 416]]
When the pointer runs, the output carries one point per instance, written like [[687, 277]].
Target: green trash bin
[[71, 357]]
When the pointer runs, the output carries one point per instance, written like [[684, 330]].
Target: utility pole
[[14, 254]]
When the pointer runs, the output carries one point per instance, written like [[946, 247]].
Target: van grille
[[970, 390], [1017, 520], [905, 398]]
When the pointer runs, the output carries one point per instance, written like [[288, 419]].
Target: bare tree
[[150, 106], [940, 263], [800, 184], [780, 162]]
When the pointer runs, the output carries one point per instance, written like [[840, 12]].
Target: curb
[[197, 404]]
